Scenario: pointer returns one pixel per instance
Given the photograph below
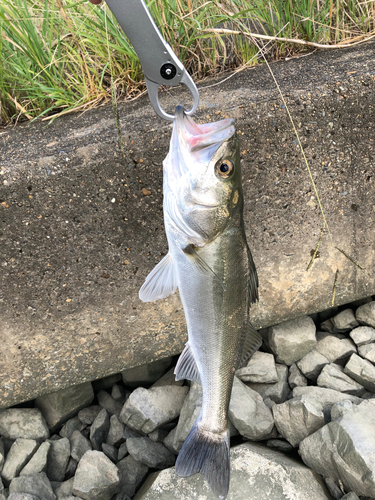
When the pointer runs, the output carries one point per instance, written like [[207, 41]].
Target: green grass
[[58, 55]]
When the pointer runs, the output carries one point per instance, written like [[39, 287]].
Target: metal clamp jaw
[[159, 63]]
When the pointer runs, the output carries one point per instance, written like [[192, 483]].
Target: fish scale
[[210, 263]]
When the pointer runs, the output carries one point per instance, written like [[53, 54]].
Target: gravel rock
[[111, 405], [116, 431], [168, 379], [158, 436], [35, 484], [297, 418], [344, 449], [292, 340], [38, 462], [146, 410], [106, 382], [257, 472], [323, 399], [280, 445], [344, 321], [247, 411], [122, 451], [2, 456], [18, 456], [296, 377], [350, 496], [89, 414], [152, 454], [367, 351], [79, 445], [73, 424], [99, 430], [362, 371], [26, 423], [311, 364], [172, 442], [146, 374], [58, 458], [97, 478], [65, 489], [365, 314], [20, 496], [119, 393], [278, 392], [334, 349], [131, 475], [260, 369], [333, 377], [333, 488], [327, 325], [363, 335], [71, 468], [60, 406], [111, 452]]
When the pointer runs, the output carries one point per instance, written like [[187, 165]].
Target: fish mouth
[[198, 137]]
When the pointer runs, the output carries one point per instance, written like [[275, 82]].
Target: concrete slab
[[78, 236]]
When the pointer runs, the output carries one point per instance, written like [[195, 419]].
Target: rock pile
[[308, 391]]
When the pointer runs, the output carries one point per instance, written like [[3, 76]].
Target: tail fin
[[208, 453]]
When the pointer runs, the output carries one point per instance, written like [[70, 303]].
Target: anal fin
[[186, 367]]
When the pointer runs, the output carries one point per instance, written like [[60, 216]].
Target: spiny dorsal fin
[[253, 341], [186, 367], [161, 281], [200, 264]]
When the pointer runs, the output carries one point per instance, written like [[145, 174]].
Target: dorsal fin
[[161, 282], [253, 279], [186, 367]]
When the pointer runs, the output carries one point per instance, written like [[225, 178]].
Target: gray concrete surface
[[78, 236]]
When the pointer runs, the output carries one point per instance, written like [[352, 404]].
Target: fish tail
[[208, 453]]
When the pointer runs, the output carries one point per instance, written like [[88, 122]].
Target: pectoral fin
[[200, 264], [186, 367], [252, 343], [161, 282]]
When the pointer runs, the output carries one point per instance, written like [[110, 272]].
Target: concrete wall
[[78, 236]]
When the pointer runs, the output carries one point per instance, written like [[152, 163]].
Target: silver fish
[[210, 263]]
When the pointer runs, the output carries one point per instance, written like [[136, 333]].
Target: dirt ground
[[79, 233]]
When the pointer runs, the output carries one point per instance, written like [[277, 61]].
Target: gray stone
[[344, 449], [38, 462], [34, 484], [334, 349], [130, 433], [73, 424], [327, 325], [131, 475], [148, 409], [119, 393], [116, 431], [168, 378], [122, 451], [279, 444], [65, 489], [333, 488], [278, 392], [106, 382], [350, 496], [89, 414], [60, 406], [362, 371], [312, 364], [296, 377], [58, 458], [71, 468], [26, 423], [152, 454], [96, 478], [146, 374], [365, 314], [363, 335], [111, 405], [323, 399], [333, 377], [20, 496], [260, 369], [111, 452], [297, 418], [257, 472], [344, 321], [99, 430], [172, 442], [292, 340], [2, 456], [158, 435], [367, 351], [79, 445], [247, 411], [19, 454]]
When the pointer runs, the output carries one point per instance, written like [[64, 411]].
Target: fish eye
[[224, 168]]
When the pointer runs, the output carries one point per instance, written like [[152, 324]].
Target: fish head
[[202, 173]]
